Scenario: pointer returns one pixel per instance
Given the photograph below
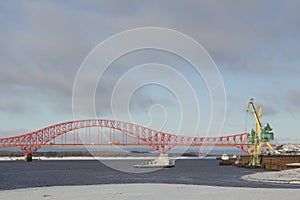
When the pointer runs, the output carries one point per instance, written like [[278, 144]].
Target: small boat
[[226, 160], [224, 157], [162, 161]]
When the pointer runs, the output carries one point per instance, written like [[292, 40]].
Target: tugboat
[[226, 160], [162, 161]]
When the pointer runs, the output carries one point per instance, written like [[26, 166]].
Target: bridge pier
[[28, 150], [28, 157]]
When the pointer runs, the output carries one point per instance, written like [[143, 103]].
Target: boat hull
[[154, 166], [162, 161]]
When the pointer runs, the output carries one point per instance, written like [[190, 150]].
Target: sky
[[254, 45]]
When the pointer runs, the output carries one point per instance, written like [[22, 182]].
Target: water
[[18, 174]]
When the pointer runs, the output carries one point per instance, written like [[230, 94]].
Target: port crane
[[259, 137]]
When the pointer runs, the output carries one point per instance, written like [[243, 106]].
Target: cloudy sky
[[254, 44]]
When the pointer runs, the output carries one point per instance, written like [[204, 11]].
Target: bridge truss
[[159, 141]]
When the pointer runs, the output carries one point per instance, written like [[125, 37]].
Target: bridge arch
[[159, 141]]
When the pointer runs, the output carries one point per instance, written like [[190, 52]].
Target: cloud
[[43, 43], [292, 100], [269, 110], [11, 106], [281, 102], [15, 132]]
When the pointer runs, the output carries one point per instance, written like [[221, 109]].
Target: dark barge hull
[[273, 162]]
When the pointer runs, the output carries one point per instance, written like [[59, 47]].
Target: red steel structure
[[159, 141]]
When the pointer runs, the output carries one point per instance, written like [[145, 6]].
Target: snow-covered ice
[[291, 176], [148, 192]]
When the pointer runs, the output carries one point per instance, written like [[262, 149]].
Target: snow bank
[[287, 176], [148, 192]]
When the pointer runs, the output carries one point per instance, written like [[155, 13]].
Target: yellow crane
[[261, 136]]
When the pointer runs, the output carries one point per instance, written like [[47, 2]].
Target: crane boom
[[257, 116]]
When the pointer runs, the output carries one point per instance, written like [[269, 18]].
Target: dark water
[[18, 174]]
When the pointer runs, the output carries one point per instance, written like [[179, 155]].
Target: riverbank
[[148, 191], [101, 154], [291, 176]]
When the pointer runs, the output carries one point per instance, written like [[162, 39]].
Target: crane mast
[[261, 136]]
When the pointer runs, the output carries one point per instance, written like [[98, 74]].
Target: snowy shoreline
[[148, 191], [291, 176]]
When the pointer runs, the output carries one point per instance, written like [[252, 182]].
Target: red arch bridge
[[112, 132]]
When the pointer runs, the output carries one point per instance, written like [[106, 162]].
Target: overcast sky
[[254, 44]]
